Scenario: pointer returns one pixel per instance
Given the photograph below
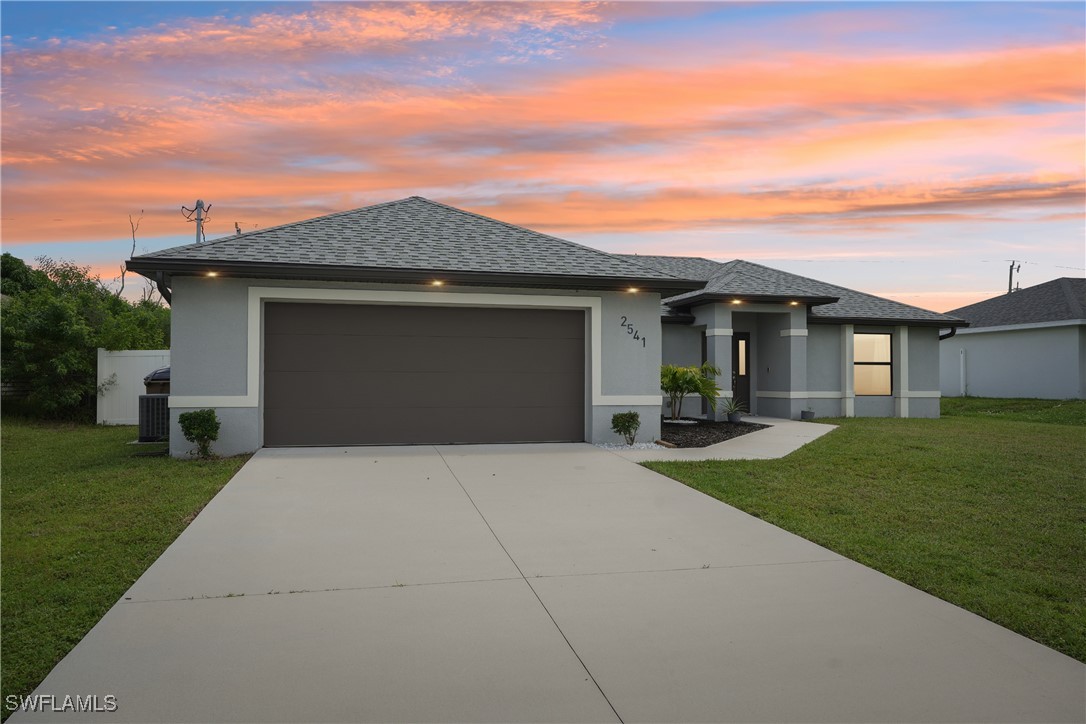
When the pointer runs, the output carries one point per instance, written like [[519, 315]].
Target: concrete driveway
[[530, 583]]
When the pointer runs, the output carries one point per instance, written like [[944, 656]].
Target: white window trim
[[258, 295]]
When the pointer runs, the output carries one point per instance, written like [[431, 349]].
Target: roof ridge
[[548, 236], [735, 269], [847, 290], [673, 256], [277, 227], [1072, 299]]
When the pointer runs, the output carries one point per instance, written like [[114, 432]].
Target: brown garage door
[[345, 374]]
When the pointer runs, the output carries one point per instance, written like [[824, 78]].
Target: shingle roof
[[687, 267], [748, 280], [413, 233], [1055, 301]]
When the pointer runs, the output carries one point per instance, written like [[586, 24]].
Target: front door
[[741, 368]]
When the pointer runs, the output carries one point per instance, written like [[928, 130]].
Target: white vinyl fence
[[121, 373]]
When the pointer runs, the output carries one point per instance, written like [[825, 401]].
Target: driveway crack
[[531, 587]]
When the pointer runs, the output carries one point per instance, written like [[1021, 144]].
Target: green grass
[[82, 519], [1055, 412], [979, 508]]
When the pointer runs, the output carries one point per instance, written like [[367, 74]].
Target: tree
[[53, 321], [678, 382], [16, 277]]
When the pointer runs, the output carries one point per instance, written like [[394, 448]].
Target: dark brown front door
[[741, 368], [347, 374]]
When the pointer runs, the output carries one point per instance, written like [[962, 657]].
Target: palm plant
[[677, 382]]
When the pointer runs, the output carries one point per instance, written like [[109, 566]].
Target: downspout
[[162, 288], [948, 335]]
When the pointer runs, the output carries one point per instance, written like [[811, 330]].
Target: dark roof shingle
[[1055, 301], [749, 280], [413, 233]]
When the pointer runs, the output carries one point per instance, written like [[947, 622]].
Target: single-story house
[[415, 322], [1028, 343]]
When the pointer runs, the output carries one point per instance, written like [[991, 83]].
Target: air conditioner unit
[[154, 418]]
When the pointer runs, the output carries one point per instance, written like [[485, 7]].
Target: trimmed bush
[[200, 427], [626, 424]]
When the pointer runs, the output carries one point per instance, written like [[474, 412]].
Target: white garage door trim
[[257, 295]]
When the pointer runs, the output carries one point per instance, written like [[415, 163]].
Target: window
[[871, 364]]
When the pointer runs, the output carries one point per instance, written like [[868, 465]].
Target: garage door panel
[[301, 390], [339, 374], [397, 321], [362, 354], [341, 426]]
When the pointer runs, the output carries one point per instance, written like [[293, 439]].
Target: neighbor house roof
[[754, 282], [410, 240], [1055, 301]]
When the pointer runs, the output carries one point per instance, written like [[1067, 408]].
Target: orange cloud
[[96, 130]]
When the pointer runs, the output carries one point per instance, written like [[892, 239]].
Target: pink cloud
[[94, 130]]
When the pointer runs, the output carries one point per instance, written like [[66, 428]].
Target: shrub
[[626, 424], [733, 405], [200, 427], [678, 382]]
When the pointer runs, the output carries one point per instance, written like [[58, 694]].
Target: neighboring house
[[1030, 343], [414, 322]]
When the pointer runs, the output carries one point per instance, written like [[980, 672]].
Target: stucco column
[[848, 386], [900, 357], [797, 357], [717, 319]]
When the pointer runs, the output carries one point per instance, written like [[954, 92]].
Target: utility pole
[[199, 220], [1010, 275], [199, 215]]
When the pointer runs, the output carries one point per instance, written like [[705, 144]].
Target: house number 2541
[[632, 331]]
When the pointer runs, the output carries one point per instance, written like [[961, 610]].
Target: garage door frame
[[325, 374]]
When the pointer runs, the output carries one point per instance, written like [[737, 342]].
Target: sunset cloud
[[575, 118]]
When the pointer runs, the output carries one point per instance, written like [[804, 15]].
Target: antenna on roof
[[1010, 276], [199, 215], [237, 229]]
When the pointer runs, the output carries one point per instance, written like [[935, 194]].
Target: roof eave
[[752, 298], [148, 266], [889, 321]]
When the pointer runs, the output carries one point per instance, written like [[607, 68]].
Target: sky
[[909, 150]]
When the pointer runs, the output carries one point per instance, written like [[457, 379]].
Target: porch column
[[900, 357], [718, 350], [848, 386], [797, 359]]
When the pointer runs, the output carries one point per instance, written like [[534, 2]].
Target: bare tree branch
[[134, 225]]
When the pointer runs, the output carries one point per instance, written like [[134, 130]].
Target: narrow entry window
[[872, 364], [742, 356]]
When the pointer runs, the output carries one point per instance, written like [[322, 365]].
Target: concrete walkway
[[529, 583], [783, 437]]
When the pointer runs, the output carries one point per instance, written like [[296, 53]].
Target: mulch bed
[[705, 432]]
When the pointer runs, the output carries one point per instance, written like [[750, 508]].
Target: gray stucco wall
[[682, 347], [824, 358], [682, 344], [825, 369], [209, 353], [208, 337], [923, 359], [782, 363], [1043, 362]]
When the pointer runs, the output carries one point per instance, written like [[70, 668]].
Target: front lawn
[[82, 519], [1055, 412], [979, 508]]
